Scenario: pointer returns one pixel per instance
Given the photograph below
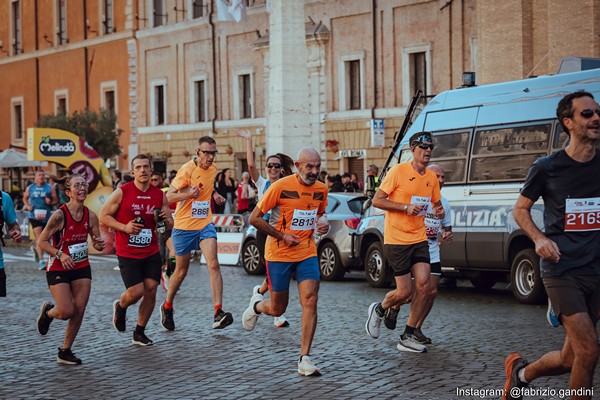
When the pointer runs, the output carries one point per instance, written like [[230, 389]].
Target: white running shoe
[[307, 368], [409, 343], [256, 289], [250, 317], [373, 323], [281, 322]]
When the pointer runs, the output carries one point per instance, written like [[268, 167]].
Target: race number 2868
[[582, 214]]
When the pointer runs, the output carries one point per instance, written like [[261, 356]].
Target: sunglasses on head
[[209, 153], [589, 113], [273, 165]]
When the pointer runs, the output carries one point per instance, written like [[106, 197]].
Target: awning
[[13, 159]]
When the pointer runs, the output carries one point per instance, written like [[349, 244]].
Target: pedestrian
[[322, 176], [59, 188], [372, 180], [39, 199], [116, 178], [334, 183], [129, 211], [347, 184], [245, 194], [8, 216], [192, 188], [165, 244], [405, 193], [157, 180], [227, 187], [433, 227], [568, 247], [69, 276], [277, 166], [290, 249], [359, 187]]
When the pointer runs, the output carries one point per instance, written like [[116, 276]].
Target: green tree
[[99, 129]]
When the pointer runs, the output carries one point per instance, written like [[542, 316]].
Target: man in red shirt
[[130, 212]]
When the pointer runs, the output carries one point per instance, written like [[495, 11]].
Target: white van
[[486, 138]]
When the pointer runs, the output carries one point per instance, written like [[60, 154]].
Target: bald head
[[439, 172], [308, 164]]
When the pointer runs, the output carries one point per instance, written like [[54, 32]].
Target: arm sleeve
[[534, 183]]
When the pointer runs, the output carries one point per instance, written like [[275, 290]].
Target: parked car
[[334, 249]]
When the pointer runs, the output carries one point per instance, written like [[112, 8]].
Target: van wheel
[[376, 268], [527, 285], [329, 263], [251, 258], [484, 281]]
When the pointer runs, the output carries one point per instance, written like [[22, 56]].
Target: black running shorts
[[68, 276], [134, 270], [572, 294], [402, 257]]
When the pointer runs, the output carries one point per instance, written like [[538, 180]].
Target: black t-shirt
[[555, 178]]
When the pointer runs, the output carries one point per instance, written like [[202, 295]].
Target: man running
[[405, 194], [290, 249], [568, 247], [130, 212], [192, 188]]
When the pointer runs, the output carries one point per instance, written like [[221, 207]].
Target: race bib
[[200, 209], [303, 220], [142, 239], [582, 214], [420, 200], [40, 214], [78, 252], [432, 227]]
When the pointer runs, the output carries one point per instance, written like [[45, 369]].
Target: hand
[[193, 193], [415, 209], [547, 249], [98, 243], [219, 199], [132, 228], [16, 235], [447, 236], [291, 240], [245, 133], [66, 261], [322, 228]]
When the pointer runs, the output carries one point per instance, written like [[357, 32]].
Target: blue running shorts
[[185, 242], [280, 273]]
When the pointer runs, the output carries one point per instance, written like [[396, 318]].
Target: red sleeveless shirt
[[136, 203], [71, 240]]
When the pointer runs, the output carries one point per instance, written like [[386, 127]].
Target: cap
[[421, 137]]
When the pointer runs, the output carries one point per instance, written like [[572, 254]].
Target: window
[[243, 89], [108, 17], [416, 73], [61, 21], [108, 99], [16, 27], [61, 102], [17, 119], [351, 91], [196, 8], [158, 12], [450, 151], [505, 154], [158, 103], [198, 101]]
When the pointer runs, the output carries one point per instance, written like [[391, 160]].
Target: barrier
[[230, 233]]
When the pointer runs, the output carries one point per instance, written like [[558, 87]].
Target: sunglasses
[[79, 185], [589, 113], [424, 146], [273, 165], [209, 153]]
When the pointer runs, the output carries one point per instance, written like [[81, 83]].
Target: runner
[[130, 212], [69, 275], [8, 216], [290, 249], [192, 188], [278, 166], [39, 199]]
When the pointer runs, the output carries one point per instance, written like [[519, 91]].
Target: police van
[[486, 138]]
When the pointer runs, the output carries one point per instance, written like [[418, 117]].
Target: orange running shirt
[[405, 185], [194, 214], [299, 206]]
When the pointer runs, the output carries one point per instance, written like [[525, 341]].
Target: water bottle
[[321, 221]]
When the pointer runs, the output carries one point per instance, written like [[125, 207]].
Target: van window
[[450, 152], [560, 138], [506, 153]]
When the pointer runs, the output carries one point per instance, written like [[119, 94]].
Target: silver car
[[335, 248]]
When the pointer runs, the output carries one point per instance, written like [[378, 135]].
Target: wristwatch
[[405, 208], [58, 254]]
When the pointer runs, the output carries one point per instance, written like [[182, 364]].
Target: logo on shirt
[[412, 179]]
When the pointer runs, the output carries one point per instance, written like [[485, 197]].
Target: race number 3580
[[582, 214]]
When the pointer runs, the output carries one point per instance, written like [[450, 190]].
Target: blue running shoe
[[551, 316]]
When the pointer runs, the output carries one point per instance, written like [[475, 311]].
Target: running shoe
[[281, 322], [250, 316], [391, 317], [256, 289], [119, 317], [222, 319], [66, 356], [373, 324], [164, 280], [420, 337], [43, 320], [42, 265], [307, 368], [166, 318], [408, 343], [514, 362], [141, 339], [551, 316]]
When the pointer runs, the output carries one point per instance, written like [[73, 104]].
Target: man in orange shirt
[[192, 188], [301, 200], [405, 192]]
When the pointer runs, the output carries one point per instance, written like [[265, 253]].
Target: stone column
[[288, 123]]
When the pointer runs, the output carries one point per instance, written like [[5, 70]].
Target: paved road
[[472, 334]]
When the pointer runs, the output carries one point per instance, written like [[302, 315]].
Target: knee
[[135, 293], [65, 313], [213, 266], [310, 301], [433, 291]]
